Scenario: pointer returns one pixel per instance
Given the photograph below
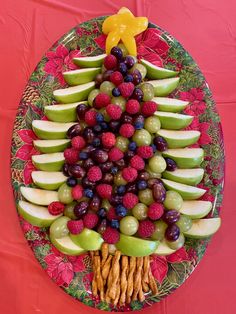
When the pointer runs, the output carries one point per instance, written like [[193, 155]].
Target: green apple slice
[[196, 209], [90, 62], [170, 104], [155, 72], [74, 93], [66, 246], [51, 146], [132, 246], [186, 176], [203, 228], [185, 157], [48, 180], [186, 191], [47, 130], [179, 139], [89, 240], [163, 249], [173, 121], [38, 196], [49, 162], [164, 87], [62, 113], [80, 76], [38, 216]]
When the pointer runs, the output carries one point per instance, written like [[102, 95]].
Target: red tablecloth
[[207, 29]]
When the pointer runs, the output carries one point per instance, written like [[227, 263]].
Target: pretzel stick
[[97, 261], [109, 282], [141, 294], [115, 274], [123, 280], [152, 283], [104, 253], [94, 282], [117, 293], [106, 268], [145, 278], [130, 282], [137, 278]]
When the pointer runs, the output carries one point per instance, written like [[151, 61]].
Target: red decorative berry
[[116, 78], [111, 214], [115, 154], [104, 190], [77, 192], [78, 142], [110, 62], [71, 155], [108, 139], [132, 106], [94, 174], [127, 130], [137, 162], [56, 208], [75, 226], [130, 200], [129, 174], [111, 235], [90, 117], [101, 101], [126, 89], [114, 111], [155, 211], [148, 108], [146, 228], [90, 220], [145, 152]]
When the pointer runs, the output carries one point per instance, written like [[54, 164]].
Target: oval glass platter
[[74, 273]]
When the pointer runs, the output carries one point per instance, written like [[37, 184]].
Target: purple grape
[[102, 226], [88, 163], [99, 155], [117, 52], [114, 126], [153, 181], [76, 171], [80, 209], [170, 164], [65, 169], [106, 167], [137, 94], [159, 192], [143, 175], [88, 184], [120, 164], [171, 216], [139, 119], [131, 187], [95, 203], [122, 68], [88, 135], [107, 74], [172, 233], [128, 155], [81, 110], [98, 80], [129, 61], [126, 118], [74, 130], [137, 77], [108, 178], [71, 181], [160, 143], [116, 200]]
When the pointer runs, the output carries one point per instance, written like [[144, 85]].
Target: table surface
[[207, 29]]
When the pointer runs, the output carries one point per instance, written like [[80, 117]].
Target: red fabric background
[[207, 29]]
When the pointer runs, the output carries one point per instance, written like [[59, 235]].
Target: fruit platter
[[118, 163]]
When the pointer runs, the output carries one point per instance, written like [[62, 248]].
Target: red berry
[[110, 62], [116, 78], [129, 174], [137, 162], [101, 100], [111, 236], [111, 214], [78, 142], [77, 192], [94, 174], [71, 155], [115, 154], [146, 228], [56, 208], [90, 220], [114, 111], [126, 89], [90, 117], [130, 200], [108, 139], [155, 211], [132, 106], [149, 108], [145, 152], [104, 190], [75, 226], [127, 130]]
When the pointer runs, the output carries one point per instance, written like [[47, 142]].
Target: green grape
[[173, 200], [107, 87], [119, 101], [152, 124], [105, 204], [146, 197], [58, 228], [148, 91], [69, 210], [184, 223], [152, 174], [122, 143], [92, 95], [123, 49], [142, 69], [175, 245], [119, 180], [139, 211], [129, 225], [103, 69], [142, 137], [160, 229], [64, 194], [157, 164]]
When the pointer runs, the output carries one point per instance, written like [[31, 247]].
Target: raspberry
[[116, 78], [90, 220], [129, 174], [127, 130], [56, 208], [101, 100], [132, 106], [111, 214], [110, 62], [145, 151], [90, 117], [94, 174], [104, 190], [148, 108], [155, 211], [146, 228], [114, 111], [75, 226], [71, 155], [111, 235], [130, 200], [77, 192], [108, 139], [137, 162], [78, 142], [115, 154], [126, 89]]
